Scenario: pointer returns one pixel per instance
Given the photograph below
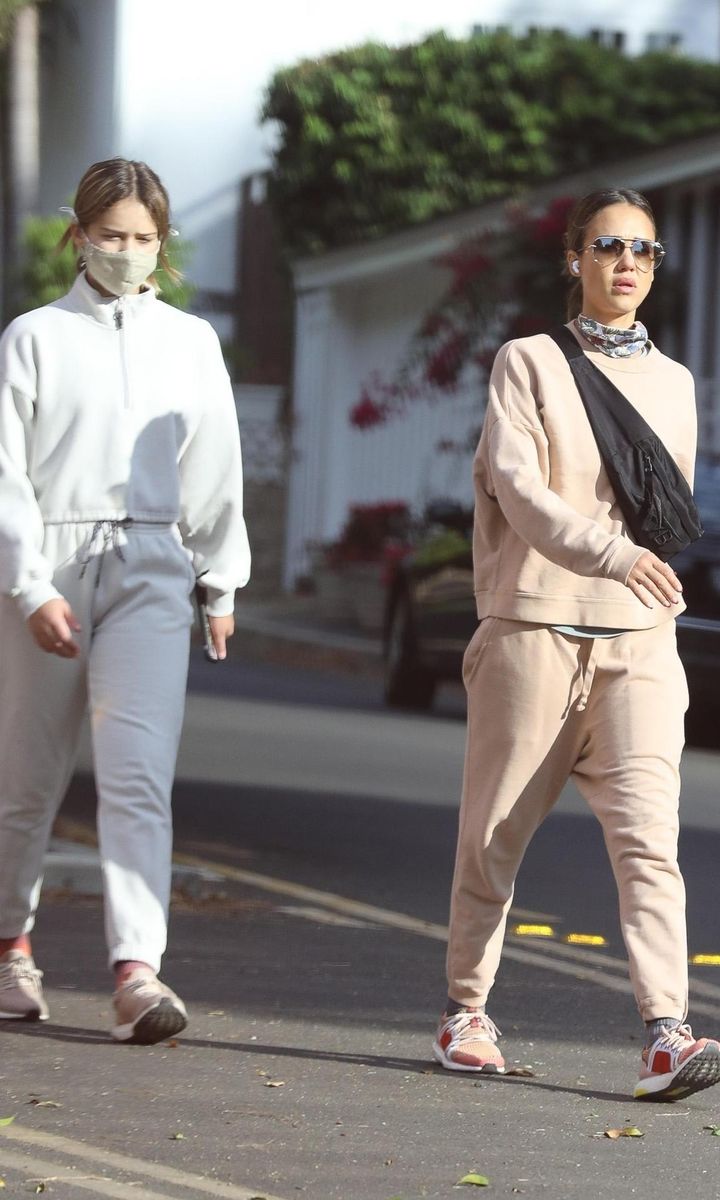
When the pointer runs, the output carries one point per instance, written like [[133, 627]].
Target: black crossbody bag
[[651, 491]]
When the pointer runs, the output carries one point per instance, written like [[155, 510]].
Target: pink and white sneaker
[[146, 1010], [467, 1041], [676, 1065]]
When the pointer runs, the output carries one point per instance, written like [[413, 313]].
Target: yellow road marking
[[536, 931]]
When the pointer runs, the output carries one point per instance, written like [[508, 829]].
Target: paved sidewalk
[[72, 866], [292, 627]]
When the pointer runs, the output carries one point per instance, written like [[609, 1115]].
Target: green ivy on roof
[[376, 139]]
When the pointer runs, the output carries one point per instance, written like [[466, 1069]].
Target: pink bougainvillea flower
[[448, 360], [367, 413], [505, 284]]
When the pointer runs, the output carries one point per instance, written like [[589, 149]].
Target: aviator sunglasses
[[606, 251]]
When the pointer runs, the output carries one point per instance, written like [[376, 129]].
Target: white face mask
[[118, 271]]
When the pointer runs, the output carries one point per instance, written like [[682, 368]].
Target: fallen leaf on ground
[[525, 1072], [474, 1180], [172, 1044], [626, 1131], [275, 1083], [45, 1103], [714, 1130], [40, 1188], [177, 1137], [2, 1183], [6, 1121]]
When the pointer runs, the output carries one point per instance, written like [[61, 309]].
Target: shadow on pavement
[[377, 1061]]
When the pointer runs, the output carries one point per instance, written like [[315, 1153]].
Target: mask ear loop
[[70, 212]]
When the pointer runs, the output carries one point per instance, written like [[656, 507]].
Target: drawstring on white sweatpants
[[110, 531]]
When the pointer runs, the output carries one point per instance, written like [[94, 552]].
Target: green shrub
[[376, 138]]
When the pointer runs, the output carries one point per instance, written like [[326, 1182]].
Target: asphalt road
[[315, 980]]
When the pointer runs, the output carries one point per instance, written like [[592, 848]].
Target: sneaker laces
[[19, 970], [479, 1023], [137, 985], [675, 1038]]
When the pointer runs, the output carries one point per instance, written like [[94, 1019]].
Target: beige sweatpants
[[543, 707]]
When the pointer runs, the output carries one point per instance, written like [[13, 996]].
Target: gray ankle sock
[[452, 1008], [654, 1028]]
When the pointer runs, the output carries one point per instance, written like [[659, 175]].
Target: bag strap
[[593, 385], [620, 433]]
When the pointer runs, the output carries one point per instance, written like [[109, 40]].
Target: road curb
[[75, 868], [272, 639]]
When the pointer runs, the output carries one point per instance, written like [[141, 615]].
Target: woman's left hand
[[221, 629]]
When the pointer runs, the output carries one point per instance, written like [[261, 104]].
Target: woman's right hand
[[52, 626], [651, 578]]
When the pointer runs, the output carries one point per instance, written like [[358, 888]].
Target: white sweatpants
[[133, 602]]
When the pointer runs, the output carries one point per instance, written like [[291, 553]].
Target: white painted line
[[38, 1170], [699, 987], [123, 1162], [323, 916], [587, 974], [542, 957]]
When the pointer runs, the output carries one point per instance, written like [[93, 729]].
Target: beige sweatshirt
[[550, 544]]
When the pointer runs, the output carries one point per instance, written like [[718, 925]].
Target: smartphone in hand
[[204, 623]]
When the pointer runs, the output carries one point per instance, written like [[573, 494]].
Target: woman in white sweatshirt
[[120, 485], [574, 671]]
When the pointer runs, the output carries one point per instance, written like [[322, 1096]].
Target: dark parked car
[[430, 615]]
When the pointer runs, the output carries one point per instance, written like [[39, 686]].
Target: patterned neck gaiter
[[617, 343]]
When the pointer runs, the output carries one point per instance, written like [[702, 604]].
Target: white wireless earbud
[[575, 267]]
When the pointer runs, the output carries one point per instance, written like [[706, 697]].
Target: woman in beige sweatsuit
[[573, 670]]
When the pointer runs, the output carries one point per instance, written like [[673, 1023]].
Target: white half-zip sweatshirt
[[112, 409]]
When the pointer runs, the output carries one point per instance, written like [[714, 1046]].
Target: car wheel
[[407, 683]]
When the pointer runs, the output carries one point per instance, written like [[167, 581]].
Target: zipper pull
[[647, 464], [118, 315]]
